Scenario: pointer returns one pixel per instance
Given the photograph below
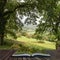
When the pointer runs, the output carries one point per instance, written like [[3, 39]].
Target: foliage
[[15, 46], [8, 42], [7, 17], [51, 18], [49, 9]]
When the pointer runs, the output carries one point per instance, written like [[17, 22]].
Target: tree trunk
[[56, 45], [3, 21], [2, 39], [56, 30], [2, 30]]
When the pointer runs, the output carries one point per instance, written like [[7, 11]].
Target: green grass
[[34, 42], [28, 45], [4, 47]]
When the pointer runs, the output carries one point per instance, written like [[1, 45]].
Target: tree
[[2, 21], [49, 9], [7, 9], [51, 19]]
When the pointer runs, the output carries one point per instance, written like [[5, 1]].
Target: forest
[[30, 24]]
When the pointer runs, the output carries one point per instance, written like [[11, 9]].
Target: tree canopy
[[49, 9], [51, 19]]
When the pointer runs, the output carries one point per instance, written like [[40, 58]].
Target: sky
[[20, 0], [29, 26], [24, 18]]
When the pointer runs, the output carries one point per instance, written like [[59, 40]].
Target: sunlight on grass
[[28, 45], [33, 42], [24, 39]]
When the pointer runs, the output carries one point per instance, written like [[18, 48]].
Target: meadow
[[28, 45], [31, 41]]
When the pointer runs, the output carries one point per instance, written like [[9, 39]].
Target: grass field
[[30, 41], [29, 45]]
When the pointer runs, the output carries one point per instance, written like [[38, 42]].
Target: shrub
[[15, 46], [41, 41], [8, 42]]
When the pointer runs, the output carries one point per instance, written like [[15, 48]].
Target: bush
[[8, 42], [15, 46], [23, 33], [41, 41]]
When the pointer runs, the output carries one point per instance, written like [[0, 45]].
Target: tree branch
[[19, 6]]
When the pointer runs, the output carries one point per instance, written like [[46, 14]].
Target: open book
[[32, 55], [40, 55]]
